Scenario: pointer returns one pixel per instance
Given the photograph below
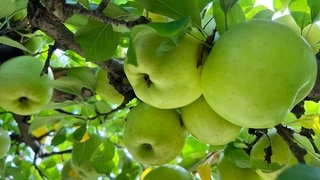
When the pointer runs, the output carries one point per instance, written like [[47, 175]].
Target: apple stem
[[23, 99], [147, 146], [147, 79]]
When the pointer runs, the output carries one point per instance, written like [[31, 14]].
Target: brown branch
[[41, 18], [55, 153], [27, 138], [287, 135]]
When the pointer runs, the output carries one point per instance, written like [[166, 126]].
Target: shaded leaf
[[79, 133], [13, 43], [97, 40], [226, 5], [102, 156], [314, 6], [237, 156], [7, 8], [227, 20], [300, 171], [175, 9]]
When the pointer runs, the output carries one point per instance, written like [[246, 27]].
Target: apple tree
[[141, 89]]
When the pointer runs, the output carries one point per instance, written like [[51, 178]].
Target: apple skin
[[22, 90], [168, 172], [5, 143], [153, 136], [256, 73], [168, 81], [228, 171], [206, 125]]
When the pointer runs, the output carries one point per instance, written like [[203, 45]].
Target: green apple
[[229, 171], [289, 21], [280, 153], [164, 81], [312, 34], [22, 90], [257, 72], [206, 125], [168, 172], [5, 143], [153, 136]]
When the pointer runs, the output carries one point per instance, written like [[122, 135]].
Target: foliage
[[83, 125]]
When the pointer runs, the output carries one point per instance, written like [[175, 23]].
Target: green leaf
[[131, 55], [301, 18], [13, 43], [237, 156], [226, 5], [85, 75], [280, 4], [264, 14], [97, 40], [70, 85], [175, 9], [40, 121], [102, 158], [82, 152], [300, 171], [265, 167], [173, 28], [7, 8], [227, 20], [311, 107], [59, 137], [300, 12], [314, 6], [79, 133]]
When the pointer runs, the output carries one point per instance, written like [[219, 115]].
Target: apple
[[168, 172], [206, 125], [312, 34], [153, 136], [257, 72], [164, 81], [281, 153], [5, 143], [22, 90], [229, 171]]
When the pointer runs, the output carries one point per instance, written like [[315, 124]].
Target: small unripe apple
[[206, 125], [153, 136], [23, 90], [168, 172]]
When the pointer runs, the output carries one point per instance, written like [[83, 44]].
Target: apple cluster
[[254, 75], [25, 90]]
